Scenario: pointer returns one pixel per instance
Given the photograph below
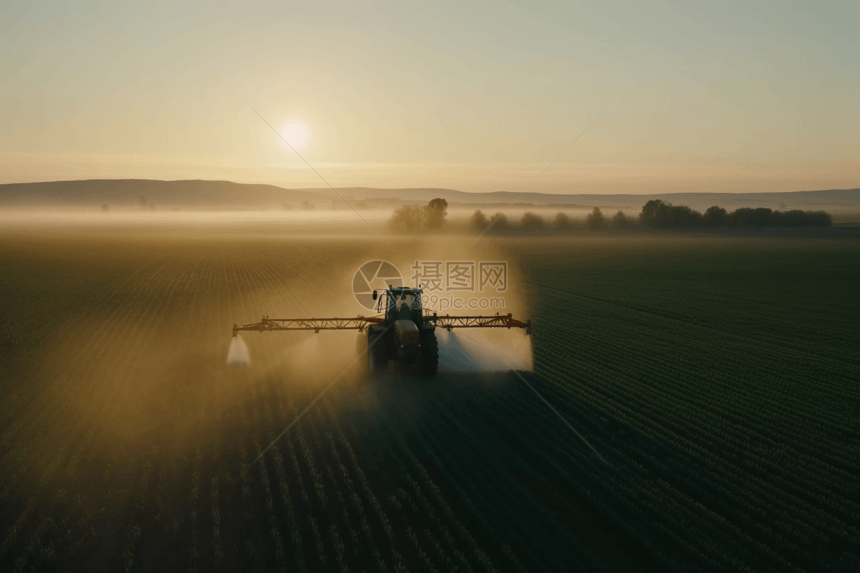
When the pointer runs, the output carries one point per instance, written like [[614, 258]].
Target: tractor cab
[[405, 336], [400, 303]]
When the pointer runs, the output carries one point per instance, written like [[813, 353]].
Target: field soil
[[711, 381]]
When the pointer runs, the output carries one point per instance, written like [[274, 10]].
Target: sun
[[296, 135]]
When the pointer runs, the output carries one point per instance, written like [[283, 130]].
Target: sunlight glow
[[296, 135]]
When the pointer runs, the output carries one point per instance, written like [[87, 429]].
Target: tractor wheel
[[377, 360], [429, 354]]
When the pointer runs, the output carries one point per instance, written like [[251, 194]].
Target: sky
[[477, 96]]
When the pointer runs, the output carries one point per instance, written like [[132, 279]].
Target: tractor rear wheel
[[429, 353]]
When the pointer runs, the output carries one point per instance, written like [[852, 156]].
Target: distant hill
[[197, 194], [128, 192]]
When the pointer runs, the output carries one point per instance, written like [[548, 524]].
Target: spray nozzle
[[238, 353]]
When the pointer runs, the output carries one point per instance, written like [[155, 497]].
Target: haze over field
[[477, 97]]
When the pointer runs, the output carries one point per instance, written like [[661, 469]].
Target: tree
[[308, 206], [435, 214], [478, 222], [763, 217], [619, 219], [561, 222], [105, 208], [498, 223], [654, 213], [760, 217], [414, 218], [715, 217], [407, 219], [532, 222], [595, 219], [819, 219], [766, 218], [683, 216]]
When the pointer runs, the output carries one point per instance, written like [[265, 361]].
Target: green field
[[718, 377]]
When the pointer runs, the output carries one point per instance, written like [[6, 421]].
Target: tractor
[[404, 335], [404, 332]]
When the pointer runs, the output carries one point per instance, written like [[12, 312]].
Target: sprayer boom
[[499, 321], [360, 323], [316, 324], [405, 332]]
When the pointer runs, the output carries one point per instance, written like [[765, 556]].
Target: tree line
[[499, 223], [657, 213]]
